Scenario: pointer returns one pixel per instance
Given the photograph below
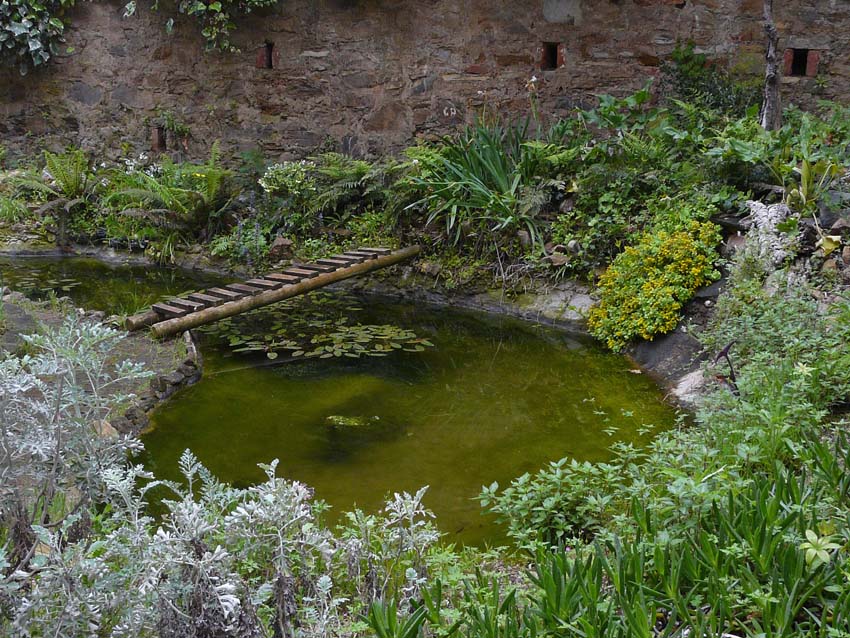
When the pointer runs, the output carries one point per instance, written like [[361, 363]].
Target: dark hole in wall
[[549, 59], [268, 55], [799, 60], [158, 143]]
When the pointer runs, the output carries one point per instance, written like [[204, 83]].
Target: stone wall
[[367, 76]]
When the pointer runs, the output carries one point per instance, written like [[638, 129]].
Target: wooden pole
[[208, 315], [771, 106]]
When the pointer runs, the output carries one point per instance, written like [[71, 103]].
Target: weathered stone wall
[[368, 76]]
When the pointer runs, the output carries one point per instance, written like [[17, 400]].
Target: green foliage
[[487, 182], [295, 183], [693, 78], [735, 524], [215, 19], [192, 198], [244, 244], [316, 326], [12, 210], [644, 289], [68, 185], [30, 31]]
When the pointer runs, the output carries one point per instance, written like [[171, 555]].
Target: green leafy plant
[[489, 181], [12, 209], [215, 19], [383, 619], [30, 31], [194, 198], [67, 183], [646, 286], [692, 77]]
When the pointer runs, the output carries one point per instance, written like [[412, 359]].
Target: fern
[[70, 172]]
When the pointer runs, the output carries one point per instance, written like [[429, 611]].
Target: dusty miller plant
[[52, 408]]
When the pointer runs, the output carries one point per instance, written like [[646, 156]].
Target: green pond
[[359, 398]]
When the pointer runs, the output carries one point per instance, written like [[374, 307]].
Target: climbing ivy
[[216, 18], [30, 31]]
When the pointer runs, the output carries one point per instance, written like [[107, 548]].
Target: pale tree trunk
[[771, 108]]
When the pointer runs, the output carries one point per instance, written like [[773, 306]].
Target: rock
[[175, 378], [688, 388], [772, 244], [735, 223], [574, 246], [711, 292], [430, 268], [733, 244], [524, 238], [186, 370], [670, 356], [557, 259], [105, 429], [840, 227], [158, 384], [830, 265], [281, 248], [122, 424], [845, 255]]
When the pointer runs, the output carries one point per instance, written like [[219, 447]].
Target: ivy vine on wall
[[216, 18], [30, 31]]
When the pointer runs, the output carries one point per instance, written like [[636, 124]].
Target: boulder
[[281, 248]]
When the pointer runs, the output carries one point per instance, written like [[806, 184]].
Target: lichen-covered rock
[[772, 246]]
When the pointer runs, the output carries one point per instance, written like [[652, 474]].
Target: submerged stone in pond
[[339, 421]]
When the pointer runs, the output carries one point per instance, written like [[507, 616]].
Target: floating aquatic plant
[[317, 325]]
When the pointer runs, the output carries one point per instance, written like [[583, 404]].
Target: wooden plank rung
[[248, 290], [208, 300], [301, 273], [354, 259], [317, 267], [169, 310], [227, 295], [286, 279], [188, 304], [334, 263], [363, 253], [267, 284], [380, 251]]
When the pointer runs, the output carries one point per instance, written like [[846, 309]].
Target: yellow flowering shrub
[[644, 289]]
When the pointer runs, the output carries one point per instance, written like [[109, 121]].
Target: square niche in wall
[[550, 56]]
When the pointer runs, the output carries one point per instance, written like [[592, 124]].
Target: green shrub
[[692, 77], [295, 184], [646, 286]]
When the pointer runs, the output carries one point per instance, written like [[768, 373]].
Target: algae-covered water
[[95, 285], [359, 398]]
